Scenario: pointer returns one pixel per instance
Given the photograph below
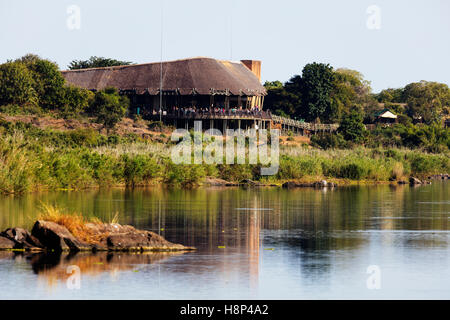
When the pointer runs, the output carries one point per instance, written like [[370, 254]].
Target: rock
[[22, 239], [50, 236], [215, 182], [141, 241], [289, 185], [56, 237], [248, 182], [115, 237], [414, 181], [5, 243], [402, 182], [320, 184]]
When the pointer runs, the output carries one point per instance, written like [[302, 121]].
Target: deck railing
[[305, 125], [250, 115]]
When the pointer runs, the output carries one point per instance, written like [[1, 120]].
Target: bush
[[329, 141], [17, 84], [138, 169], [109, 107], [352, 171], [352, 127]]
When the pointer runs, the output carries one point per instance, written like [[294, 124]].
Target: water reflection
[[266, 242], [53, 267]]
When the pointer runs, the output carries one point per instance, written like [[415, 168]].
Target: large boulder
[[215, 182], [414, 181], [115, 237], [141, 241], [6, 243], [56, 237], [290, 185], [22, 239]]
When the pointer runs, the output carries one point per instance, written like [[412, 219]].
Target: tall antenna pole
[[231, 32], [161, 69]]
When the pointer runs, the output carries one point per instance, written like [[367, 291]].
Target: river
[[370, 242]]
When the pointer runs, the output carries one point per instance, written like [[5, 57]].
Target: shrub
[[329, 141], [352, 127], [109, 107], [17, 84], [138, 169]]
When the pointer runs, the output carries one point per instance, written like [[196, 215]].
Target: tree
[[16, 84], [390, 95], [109, 107], [281, 101], [316, 87], [426, 100], [352, 127], [75, 100], [49, 82], [96, 62]]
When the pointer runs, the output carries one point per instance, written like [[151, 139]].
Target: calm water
[[252, 244]]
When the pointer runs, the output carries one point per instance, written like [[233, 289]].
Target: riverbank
[[35, 159]]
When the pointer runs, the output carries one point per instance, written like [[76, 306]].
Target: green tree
[[109, 107], [427, 100], [316, 87], [390, 95], [281, 101], [75, 100], [352, 127], [49, 82], [17, 84], [96, 62]]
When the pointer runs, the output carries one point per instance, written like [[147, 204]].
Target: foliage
[[96, 62], [109, 107], [352, 127], [316, 88], [48, 80], [17, 85], [329, 141], [427, 100], [37, 85]]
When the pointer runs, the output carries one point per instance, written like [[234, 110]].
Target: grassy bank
[[34, 159]]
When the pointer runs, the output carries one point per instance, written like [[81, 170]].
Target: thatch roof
[[201, 75]]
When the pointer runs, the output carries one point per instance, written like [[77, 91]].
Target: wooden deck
[[263, 118]]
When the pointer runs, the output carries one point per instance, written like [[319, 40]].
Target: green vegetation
[[96, 62], [109, 107], [34, 159], [320, 94], [36, 86]]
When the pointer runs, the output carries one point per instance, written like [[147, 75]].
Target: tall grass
[[28, 163], [75, 222]]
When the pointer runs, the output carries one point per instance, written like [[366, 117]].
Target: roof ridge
[[150, 63]]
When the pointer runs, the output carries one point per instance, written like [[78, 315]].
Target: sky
[[392, 43]]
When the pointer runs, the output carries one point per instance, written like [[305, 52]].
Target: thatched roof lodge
[[195, 82]]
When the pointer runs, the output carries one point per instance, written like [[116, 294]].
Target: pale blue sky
[[413, 43]]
